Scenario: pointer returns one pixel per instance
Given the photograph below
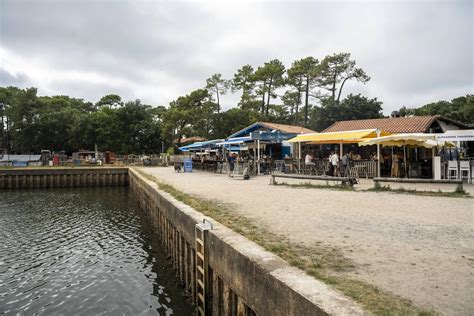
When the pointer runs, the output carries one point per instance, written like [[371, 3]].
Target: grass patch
[[324, 263], [458, 193]]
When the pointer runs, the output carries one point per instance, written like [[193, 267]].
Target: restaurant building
[[267, 139], [345, 136], [261, 144]]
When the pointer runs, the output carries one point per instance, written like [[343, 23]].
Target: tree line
[[460, 109], [308, 93], [30, 123]]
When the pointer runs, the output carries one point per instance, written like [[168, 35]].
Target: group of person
[[334, 169], [450, 154], [338, 166]]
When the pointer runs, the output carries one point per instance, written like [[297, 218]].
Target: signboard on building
[[274, 137], [457, 136]]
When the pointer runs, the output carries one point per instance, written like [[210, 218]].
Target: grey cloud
[[7, 79], [414, 52]]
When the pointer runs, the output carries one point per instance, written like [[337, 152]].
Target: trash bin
[[188, 165]]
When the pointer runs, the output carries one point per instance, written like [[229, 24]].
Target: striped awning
[[235, 140], [337, 137], [200, 145], [416, 139]]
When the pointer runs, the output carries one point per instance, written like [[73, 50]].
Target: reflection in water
[[82, 251]]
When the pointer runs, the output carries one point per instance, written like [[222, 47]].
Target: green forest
[[308, 93]]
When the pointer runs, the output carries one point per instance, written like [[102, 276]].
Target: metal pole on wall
[[378, 153], [433, 165], [258, 156], [255, 154], [255, 150], [299, 156], [405, 160]]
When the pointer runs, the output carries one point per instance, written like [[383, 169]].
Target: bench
[[343, 180], [457, 182]]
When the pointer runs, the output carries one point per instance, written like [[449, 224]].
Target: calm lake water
[[83, 251]]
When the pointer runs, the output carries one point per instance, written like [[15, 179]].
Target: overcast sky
[[415, 52]]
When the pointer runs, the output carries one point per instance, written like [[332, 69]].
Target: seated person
[[308, 160]]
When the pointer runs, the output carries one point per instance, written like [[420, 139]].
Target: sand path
[[421, 248]]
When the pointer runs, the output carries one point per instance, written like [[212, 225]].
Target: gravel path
[[421, 248]]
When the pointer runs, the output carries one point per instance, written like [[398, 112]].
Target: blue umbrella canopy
[[201, 145]]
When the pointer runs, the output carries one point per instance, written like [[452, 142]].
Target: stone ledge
[[412, 180], [264, 281]]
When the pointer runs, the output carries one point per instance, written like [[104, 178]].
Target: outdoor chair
[[464, 170], [307, 168], [321, 169], [453, 171], [279, 165], [221, 167], [354, 173]]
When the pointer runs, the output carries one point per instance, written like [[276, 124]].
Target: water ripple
[[81, 251]]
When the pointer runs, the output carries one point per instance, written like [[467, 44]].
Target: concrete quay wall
[[243, 278], [62, 177]]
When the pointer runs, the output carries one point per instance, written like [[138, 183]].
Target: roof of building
[[412, 124], [193, 139], [290, 129], [7, 158]]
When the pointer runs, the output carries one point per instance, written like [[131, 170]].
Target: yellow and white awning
[[417, 139], [346, 137]]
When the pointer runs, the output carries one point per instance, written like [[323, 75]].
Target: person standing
[[346, 164], [231, 161], [330, 166], [395, 166], [334, 160]]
